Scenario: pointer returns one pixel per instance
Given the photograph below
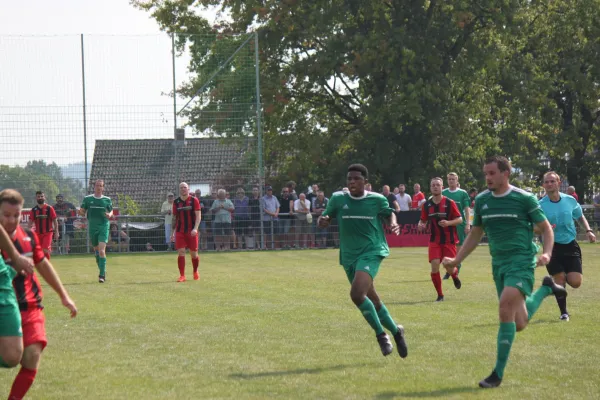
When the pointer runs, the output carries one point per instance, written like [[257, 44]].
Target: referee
[[562, 210]]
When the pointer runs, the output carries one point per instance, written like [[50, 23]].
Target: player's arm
[[30, 222], [329, 212], [396, 206], [51, 277], [455, 218], [467, 213], [54, 222], [197, 213], [19, 263], [423, 220], [537, 216], [109, 210], [583, 222], [83, 209], [470, 243]]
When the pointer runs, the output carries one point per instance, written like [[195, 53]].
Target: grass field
[[281, 325]]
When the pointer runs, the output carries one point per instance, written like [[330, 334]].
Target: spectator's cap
[[268, 188], [170, 194]]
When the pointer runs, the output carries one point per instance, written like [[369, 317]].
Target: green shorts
[[460, 229], [517, 274], [10, 315], [99, 234], [369, 264]]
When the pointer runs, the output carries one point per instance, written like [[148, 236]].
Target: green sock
[[458, 266], [506, 336], [2, 364], [368, 311], [97, 254], [534, 301], [386, 320], [102, 266]]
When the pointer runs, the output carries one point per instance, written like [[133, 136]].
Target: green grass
[[281, 325]]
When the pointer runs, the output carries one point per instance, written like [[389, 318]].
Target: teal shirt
[[96, 208], [562, 215]]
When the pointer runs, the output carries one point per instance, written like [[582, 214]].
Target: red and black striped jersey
[[43, 216], [27, 288], [185, 213], [447, 210]]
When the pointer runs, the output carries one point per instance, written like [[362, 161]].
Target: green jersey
[[360, 225], [96, 208], [508, 223], [3, 266], [461, 198]]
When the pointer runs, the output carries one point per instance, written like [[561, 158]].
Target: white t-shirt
[[404, 201], [298, 208]]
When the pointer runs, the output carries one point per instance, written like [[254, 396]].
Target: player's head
[[386, 190], [497, 171], [356, 178], [551, 182], [98, 187], [11, 204], [184, 189], [452, 180], [436, 185], [402, 188], [40, 197]]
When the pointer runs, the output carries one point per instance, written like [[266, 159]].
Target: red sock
[[437, 282], [181, 265], [455, 273], [195, 262], [22, 383]]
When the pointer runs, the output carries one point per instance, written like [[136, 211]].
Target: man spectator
[[65, 213], [320, 206], [312, 227], [313, 194], [301, 210], [270, 216], [571, 192], [118, 240], [291, 185], [167, 210], [418, 197], [368, 187], [208, 202], [597, 211], [203, 211], [391, 198], [286, 209], [242, 217], [396, 191], [472, 195], [222, 208], [403, 198], [254, 222]]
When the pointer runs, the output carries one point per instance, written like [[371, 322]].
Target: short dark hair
[[12, 197], [359, 168], [39, 192], [290, 184], [501, 161], [473, 190]]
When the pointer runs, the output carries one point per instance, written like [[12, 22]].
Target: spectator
[[301, 210], [167, 210], [203, 211], [286, 209], [313, 194], [597, 211], [208, 202], [291, 185], [119, 241], [472, 195], [571, 191], [396, 191], [418, 198], [270, 209], [241, 221], [391, 198], [254, 223], [320, 206], [221, 209], [312, 227], [368, 187], [65, 213], [403, 198]]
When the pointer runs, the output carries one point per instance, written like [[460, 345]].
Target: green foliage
[[127, 206]]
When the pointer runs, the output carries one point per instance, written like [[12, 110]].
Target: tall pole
[[85, 155], [175, 110], [259, 131]]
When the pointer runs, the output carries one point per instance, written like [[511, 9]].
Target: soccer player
[[44, 218], [362, 249], [463, 201], [99, 211], [562, 210], [29, 291], [507, 214], [187, 217], [442, 216]]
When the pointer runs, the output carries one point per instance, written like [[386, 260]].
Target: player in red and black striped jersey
[[29, 291], [186, 219], [442, 216], [44, 218]]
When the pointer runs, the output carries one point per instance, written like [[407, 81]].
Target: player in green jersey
[[463, 201], [99, 210], [11, 333], [363, 247], [508, 215]]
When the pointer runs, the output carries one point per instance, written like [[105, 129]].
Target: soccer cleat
[[101, 279], [440, 298], [446, 276], [564, 317], [400, 342], [457, 283], [557, 290], [385, 344], [181, 279], [196, 276], [491, 381]]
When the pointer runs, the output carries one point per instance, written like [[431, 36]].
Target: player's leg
[[46, 244], [435, 255], [388, 322], [573, 275], [460, 230], [11, 333], [180, 244], [192, 244], [449, 250], [102, 261], [556, 268]]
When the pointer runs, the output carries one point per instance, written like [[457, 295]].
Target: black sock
[[562, 304]]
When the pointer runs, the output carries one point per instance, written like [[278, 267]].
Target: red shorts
[[439, 251], [186, 240], [34, 327], [46, 241]]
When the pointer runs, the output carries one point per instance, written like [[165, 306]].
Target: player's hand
[[107, 215], [443, 223], [395, 228], [543, 259], [67, 302], [194, 232], [591, 237], [421, 227], [324, 221], [23, 265], [467, 229], [448, 262]]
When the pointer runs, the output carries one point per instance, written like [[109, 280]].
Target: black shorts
[[565, 258]]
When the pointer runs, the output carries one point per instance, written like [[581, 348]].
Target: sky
[[128, 67]]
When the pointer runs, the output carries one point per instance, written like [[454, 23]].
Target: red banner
[[409, 235]]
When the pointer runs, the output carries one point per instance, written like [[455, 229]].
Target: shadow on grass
[[534, 322], [401, 282], [91, 283], [433, 393], [410, 303], [299, 371]]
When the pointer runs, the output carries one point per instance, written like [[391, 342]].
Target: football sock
[[437, 282], [368, 311], [455, 273], [22, 383], [102, 265], [534, 301], [458, 267], [386, 319], [97, 254], [195, 262], [3, 364], [562, 304], [506, 336], [181, 265]]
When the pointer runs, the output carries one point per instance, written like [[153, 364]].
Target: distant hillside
[[76, 171]]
